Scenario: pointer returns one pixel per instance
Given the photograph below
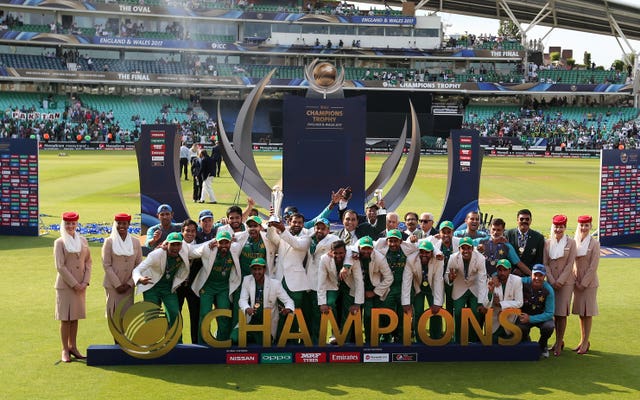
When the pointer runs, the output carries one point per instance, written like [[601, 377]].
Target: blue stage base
[[99, 355]]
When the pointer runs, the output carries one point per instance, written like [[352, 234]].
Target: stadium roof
[[605, 17]]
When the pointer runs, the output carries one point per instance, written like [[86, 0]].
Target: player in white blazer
[[321, 240], [400, 255], [292, 245], [426, 280], [159, 275], [504, 290], [260, 293], [447, 244], [469, 284], [216, 281], [343, 295], [377, 279]]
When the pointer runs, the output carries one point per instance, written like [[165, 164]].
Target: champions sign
[[143, 332]]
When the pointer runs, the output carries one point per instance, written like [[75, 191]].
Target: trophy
[[276, 204], [378, 195]]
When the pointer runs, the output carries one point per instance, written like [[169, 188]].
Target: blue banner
[[324, 149], [465, 164], [384, 20], [158, 151]]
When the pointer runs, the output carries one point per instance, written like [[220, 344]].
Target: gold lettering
[[422, 328], [509, 326], [303, 335], [469, 317], [205, 328], [265, 328], [353, 321], [376, 329]]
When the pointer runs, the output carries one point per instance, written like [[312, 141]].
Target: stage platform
[[102, 355]]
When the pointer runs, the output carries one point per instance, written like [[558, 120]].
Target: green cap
[[323, 221], [425, 245], [365, 241], [504, 263], [395, 234], [258, 261], [466, 241], [255, 219], [174, 237], [446, 224], [223, 235]]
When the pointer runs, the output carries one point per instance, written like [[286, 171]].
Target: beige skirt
[[70, 305], [585, 303], [563, 301]]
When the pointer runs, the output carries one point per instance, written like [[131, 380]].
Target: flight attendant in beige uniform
[[120, 255], [73, 262], [585, 271], [559, 255]]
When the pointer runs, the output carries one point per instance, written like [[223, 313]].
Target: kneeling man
[[259, 293]]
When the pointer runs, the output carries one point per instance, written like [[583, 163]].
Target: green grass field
[[99, 184]]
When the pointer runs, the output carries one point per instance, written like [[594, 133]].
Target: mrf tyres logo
[[311, 357]]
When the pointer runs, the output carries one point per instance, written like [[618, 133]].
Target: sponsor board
[[344, 357], [375, 357], [242, 358], [311, 357], [404, 357], [276, 358]]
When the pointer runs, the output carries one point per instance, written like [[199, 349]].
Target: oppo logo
[[276, 358]]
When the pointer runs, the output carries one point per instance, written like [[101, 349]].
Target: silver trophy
[[276, 203], [378, 195]]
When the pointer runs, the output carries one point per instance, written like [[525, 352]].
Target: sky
[[604, 49]]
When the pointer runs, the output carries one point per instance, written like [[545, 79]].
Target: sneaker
[[333, 341], [545, 353]]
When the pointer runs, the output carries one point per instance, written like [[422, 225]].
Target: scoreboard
[[619, 205], [19, 210]]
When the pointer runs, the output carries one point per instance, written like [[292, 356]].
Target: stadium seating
[[602, 117], [147, 107], [32, 100], [581, 76]]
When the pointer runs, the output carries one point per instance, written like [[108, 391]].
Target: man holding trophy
[[292, 246]]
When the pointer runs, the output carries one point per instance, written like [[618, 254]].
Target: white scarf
[[120, 247], [582, 245], [72, 244], [556, 247]]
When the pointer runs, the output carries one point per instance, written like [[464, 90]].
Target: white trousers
[[207, 189]]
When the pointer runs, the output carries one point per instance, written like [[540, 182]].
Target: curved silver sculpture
[[388, 166], [249, 181], [401, 187], [244, 124]]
